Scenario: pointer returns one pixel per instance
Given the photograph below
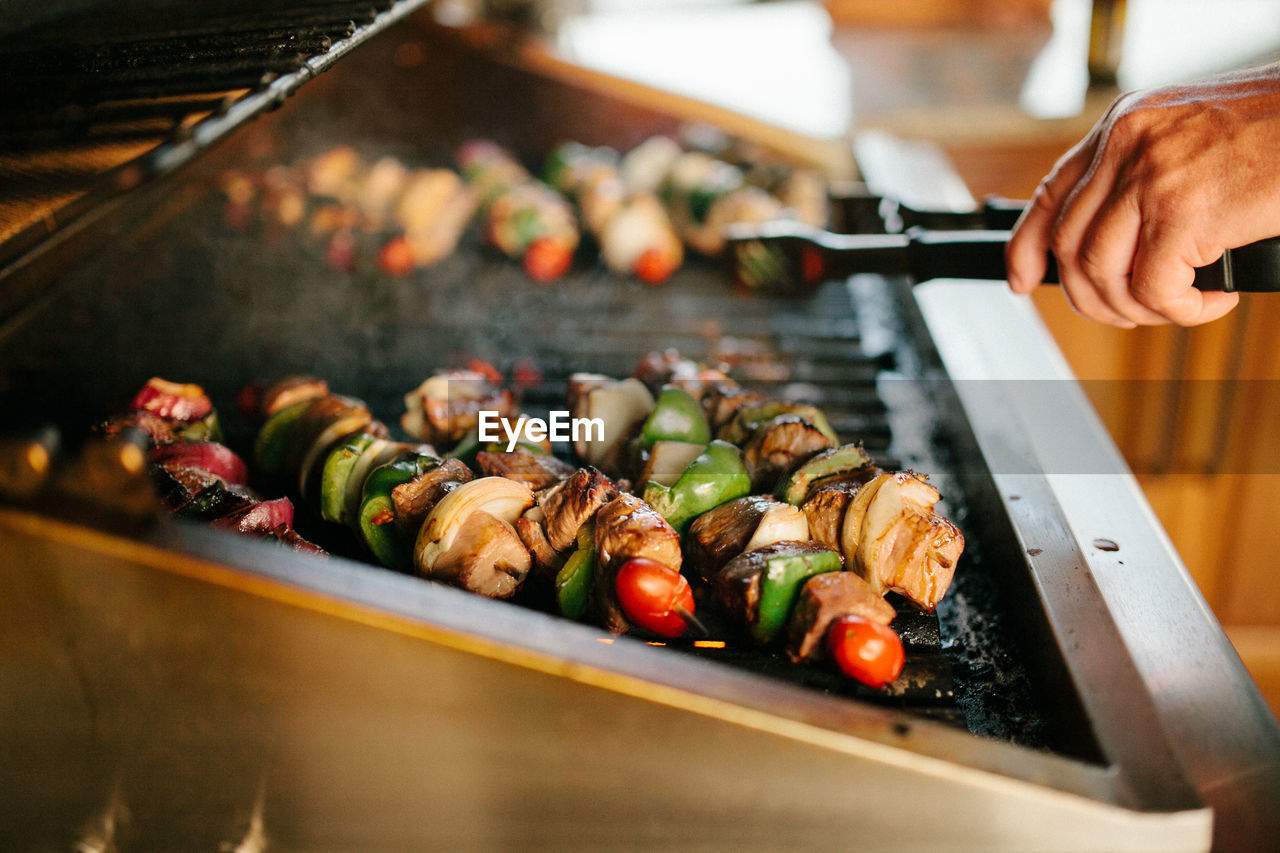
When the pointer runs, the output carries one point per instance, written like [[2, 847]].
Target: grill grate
[[59, 88]]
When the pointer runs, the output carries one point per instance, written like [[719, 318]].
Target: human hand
[[1164, 183]]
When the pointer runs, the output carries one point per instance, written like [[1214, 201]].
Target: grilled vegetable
[[705, 195], [378, 453], [275, 438], [750, 417], [654, 597], [377, 520], [620, 405], [217, 459], [759, 587], [286, 392], [262, 517], [337, 473], [184, 407], [468, 539], [446, 407], [667, 460], [676, 416], [868, 651], [412, 500], [824, 599], [434, 211], [489, 169], [327, 422], [891, 536], [849, 462], [573, 581], [716, 476]]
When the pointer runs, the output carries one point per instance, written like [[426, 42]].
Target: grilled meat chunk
[[412, 501], [534, 536], [779, 444], [447, 406], [825, 510], [892, 537], [157, 429], [825, 598], [627, 527], [718, 536], [722, 400], [536, 470], [572, 502], [290, 390], [758, 587]]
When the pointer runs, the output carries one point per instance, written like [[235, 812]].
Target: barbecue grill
[[172, 687]]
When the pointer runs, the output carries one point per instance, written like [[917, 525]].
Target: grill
[[180, 687]]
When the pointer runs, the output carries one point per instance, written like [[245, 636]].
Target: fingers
[[1026, 254], [1093, 240], [1103, 262], [1163, 283]]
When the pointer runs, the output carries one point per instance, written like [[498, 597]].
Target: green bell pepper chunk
[[336, 474], [206, 429], [275, 438], [845, 460], [378, 525], [573, 581], [676, 416], [780, 584], [748, 418], [717, 476]]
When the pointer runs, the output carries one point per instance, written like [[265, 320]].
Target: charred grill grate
[[153, 78], [223, 309]]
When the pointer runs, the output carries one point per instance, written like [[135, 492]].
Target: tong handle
[[1254, 268]]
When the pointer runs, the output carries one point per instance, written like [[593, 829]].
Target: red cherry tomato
[[865, 650], [547, 259], [651, 594], [654, 266], [396, 258]]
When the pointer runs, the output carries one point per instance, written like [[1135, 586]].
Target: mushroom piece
[[486, 557]]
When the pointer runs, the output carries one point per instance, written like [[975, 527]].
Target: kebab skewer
[[629, 224]]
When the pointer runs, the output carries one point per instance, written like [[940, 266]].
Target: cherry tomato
[[396, 258], [654, 266], [651, 594], [865, 650], [547, 259], [485, 369]]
